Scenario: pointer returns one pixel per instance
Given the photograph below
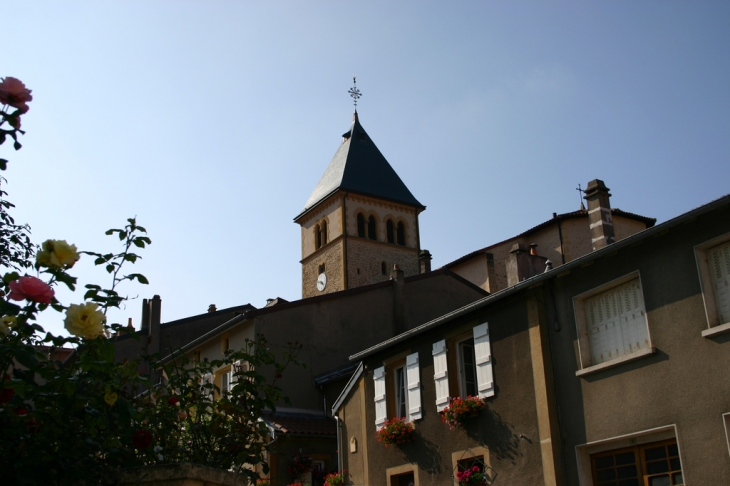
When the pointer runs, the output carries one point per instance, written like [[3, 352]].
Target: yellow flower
[[57, 253], [85, 320], [110, 398]]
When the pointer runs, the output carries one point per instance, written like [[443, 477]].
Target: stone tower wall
[[365, 258], [331, 211], [331, 257], [382, 210]]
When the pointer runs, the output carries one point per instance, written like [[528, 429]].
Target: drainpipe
[[339, 443]]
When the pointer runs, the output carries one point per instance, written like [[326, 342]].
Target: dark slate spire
[[359, 167]]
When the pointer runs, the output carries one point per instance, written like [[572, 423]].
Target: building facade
[[610, 369]]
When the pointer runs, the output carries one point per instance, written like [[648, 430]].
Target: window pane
[[678, 480], [468, 368], [657, 467], [606, 475], [673, 450], [674, 464], [629, 482], [655, 453], [627, 472], [603, 462], [625, 458], [660, 481], [400, 392]]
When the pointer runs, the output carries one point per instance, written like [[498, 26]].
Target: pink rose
[[14, 93], [31, 288]]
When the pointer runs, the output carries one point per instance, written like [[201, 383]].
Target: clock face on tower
[[321, 282]]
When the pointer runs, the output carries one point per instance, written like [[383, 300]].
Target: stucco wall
[[507, 427], [332, 328], [685, 384], [576, 243]]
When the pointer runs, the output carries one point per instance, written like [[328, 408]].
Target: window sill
[[714, 331], [616, 362]]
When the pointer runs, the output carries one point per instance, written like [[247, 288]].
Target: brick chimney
[[151, 314], [522, 264], [599, 214]]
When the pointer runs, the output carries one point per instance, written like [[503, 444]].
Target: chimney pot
[[212, 308], [533, 248]]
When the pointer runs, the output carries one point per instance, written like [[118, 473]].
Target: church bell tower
[[359, 222]]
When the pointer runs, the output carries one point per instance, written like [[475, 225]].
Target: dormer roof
[[359, 167]]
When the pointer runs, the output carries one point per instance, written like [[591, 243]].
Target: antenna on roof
[[580, 195], [354, 92]]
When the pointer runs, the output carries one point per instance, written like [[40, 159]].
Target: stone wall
[[331, 256], [365, 258]]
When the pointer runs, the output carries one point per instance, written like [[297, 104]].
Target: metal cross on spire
[[354, 92], [580, 196]]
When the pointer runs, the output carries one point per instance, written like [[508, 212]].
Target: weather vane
[[354, 92]]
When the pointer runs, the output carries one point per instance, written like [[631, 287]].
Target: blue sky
[[212, 122]]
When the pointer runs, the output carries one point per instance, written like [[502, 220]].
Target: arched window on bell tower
[[390, 231], [360, 225], [324, 232], [401, 234], [372, 228], [317, 237]]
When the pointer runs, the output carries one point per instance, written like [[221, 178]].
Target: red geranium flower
[[142, 439], [173, 401]]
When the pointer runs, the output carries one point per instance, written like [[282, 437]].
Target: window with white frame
[[473, 371], [467, 368], [611, 322], [400, 395], [398, 391]]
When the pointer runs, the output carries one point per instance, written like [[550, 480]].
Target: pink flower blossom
[[31, 288], [14, 93]]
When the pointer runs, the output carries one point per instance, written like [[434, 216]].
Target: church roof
[[358, 166]]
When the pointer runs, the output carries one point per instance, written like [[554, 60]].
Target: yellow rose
[[85, 320], [6, 323], [57, 253]]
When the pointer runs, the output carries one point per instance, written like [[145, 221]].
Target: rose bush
[[76, 420]]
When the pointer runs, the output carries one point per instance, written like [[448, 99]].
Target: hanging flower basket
[[473, 476], [460, 410], [396, 431]]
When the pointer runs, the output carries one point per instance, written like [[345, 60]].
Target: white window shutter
[[483, 357], [720, 269], [617, 322], [441, 374], [413, 385], [381, 409]]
